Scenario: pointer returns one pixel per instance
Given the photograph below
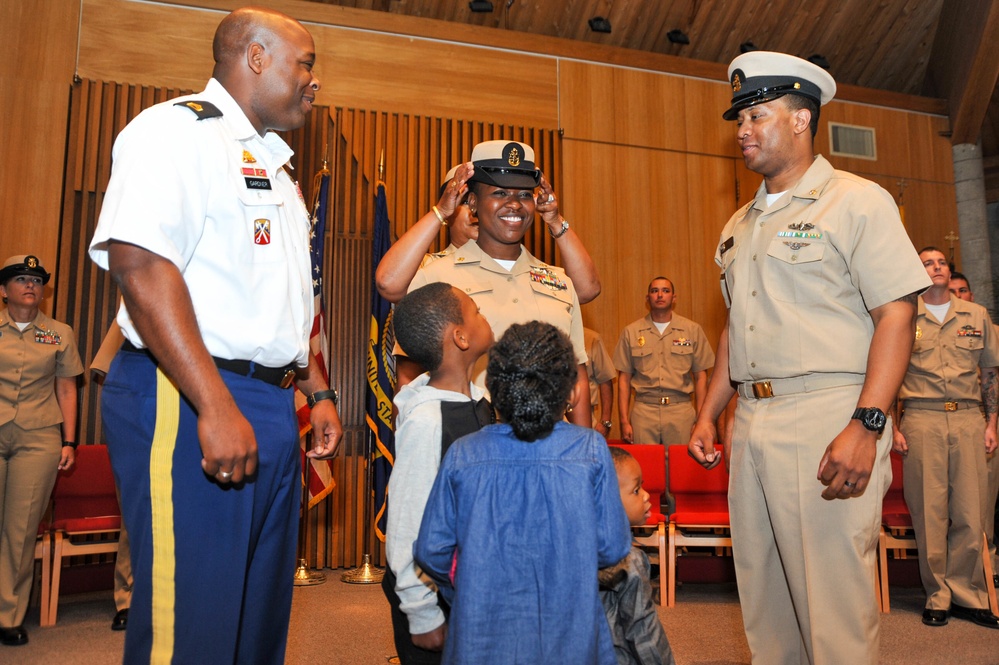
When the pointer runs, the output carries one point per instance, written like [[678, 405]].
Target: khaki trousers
[[805, 566], [945, 481], [989, 507], [122, 569], [663, 424], [29, 461]]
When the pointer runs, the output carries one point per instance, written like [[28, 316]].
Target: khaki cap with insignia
[[23, 264], [505, 164], [758, 77]]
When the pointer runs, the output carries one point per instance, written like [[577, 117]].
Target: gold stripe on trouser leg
[[161, 498]]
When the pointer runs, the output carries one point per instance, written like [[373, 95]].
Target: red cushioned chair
[[652, 460], [897, 534], [86, 518], [701, 516]]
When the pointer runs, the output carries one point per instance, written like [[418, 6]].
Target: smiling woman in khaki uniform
[[39, 363]]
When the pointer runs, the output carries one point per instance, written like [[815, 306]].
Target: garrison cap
[[758, 77], [23, 264], [505, 164]]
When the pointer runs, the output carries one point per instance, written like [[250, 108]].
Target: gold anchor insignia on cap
[[736, 83], [195, 106], [797, 86], [513, 159], [31, 262]]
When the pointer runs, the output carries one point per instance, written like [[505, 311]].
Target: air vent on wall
[[852, 141]]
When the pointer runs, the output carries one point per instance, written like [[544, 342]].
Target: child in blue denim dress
[[530, 508]]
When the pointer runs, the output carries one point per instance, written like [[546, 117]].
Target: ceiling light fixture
[[677, 37], [599, 24], [480, 6], [817, 59]]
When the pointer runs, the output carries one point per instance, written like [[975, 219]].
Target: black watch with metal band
[[320, 395], [871, 417]]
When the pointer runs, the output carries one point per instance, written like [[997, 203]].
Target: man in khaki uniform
[[945, 439], [664, 357], [820, 279], [601, 375], [506, 281], [961, 288]]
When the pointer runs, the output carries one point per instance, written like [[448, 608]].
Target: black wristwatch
[[70, 444], [871, 417], [320, 395]]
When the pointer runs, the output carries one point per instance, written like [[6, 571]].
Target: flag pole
[[367, 573], [304, 576]]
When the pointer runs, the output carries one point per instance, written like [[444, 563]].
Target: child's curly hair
[[531, 372]]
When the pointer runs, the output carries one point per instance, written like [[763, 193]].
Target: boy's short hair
[[619, 455], [420, 320], [530, 376]]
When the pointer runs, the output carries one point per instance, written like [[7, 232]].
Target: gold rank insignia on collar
[[919, 332], [641, 340], [546, 276]]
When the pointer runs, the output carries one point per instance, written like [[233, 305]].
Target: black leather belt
[[281, 377]]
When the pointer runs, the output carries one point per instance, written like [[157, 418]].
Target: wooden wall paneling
[[711, 203], [707, 133], [631, 238], [601, 103], [909, 145]]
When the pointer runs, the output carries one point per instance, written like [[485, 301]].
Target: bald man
[[207, 237]]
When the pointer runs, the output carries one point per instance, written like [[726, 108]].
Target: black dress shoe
[[935, 617], [981, 617], [120, 621], [13, 637]]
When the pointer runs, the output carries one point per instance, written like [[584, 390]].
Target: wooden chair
[[652, 460], [86, 518], [701, 518], [897, 534]]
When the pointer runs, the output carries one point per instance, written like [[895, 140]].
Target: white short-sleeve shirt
[[214, 197]]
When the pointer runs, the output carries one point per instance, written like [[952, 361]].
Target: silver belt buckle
[[763, 390]]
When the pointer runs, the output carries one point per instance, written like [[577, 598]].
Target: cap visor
[[507, 178], [733, 112]]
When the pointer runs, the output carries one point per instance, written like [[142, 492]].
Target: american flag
[[317, 475]]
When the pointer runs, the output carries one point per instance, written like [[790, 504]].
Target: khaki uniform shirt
[[801, 276], [30, 361], [599, 368], [531, 291], [661, 364], [946, 355]]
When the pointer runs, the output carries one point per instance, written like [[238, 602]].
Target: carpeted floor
[[337, 623]]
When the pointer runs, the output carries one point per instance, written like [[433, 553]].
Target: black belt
[[281, 377]]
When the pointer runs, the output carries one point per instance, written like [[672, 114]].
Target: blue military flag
[[381, 370]]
